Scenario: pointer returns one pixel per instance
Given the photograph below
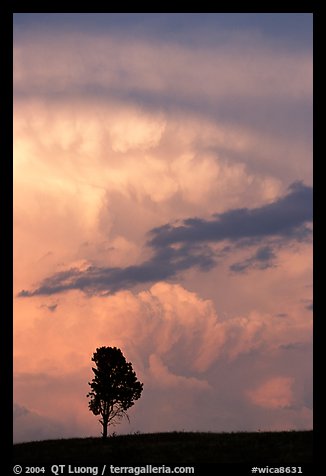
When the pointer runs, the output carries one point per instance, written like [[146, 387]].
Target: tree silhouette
[[114, 386]]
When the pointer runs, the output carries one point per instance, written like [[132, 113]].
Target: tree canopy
[[114, 387]]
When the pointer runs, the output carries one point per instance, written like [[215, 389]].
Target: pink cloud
[[161, 376], [175, 340], [275, 393]]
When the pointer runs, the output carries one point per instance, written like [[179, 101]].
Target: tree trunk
[[105, 428]]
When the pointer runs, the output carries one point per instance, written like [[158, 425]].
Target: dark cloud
[[50, 307], [281, 314], [310, 306], [165, 264], [295, 29], [188, 245], [285, 217], [262, 259], [296, 346]]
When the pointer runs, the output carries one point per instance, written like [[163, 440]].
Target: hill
[[176, 448]]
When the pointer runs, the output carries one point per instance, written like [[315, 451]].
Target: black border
[[6, 176]]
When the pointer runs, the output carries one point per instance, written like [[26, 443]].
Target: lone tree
[[114, 386]]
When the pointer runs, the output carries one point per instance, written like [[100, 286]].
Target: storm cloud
[[163, 204]]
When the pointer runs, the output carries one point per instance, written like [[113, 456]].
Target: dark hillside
[[279, 448]]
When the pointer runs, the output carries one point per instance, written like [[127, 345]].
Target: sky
[[163, 205]]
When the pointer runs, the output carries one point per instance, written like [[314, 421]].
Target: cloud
[[151, 70], [296, 346], [262, 259], [310, 306], [123, 132], [50, 307], [162, 377], [29, 425], [201, 28], [285, 217], [243, 78], [181, 247], [274, 393], [166, 320], [196, 365]]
